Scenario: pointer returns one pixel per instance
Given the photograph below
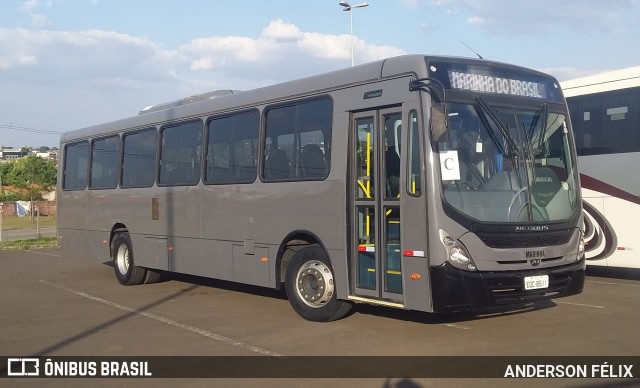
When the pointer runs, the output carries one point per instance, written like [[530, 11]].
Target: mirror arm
[[427, 85], [436, 90]]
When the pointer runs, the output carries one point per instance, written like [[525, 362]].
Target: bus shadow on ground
[[451, 317], [366, 309], [217, 283]]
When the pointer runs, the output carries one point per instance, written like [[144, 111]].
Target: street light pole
[[349, 8]]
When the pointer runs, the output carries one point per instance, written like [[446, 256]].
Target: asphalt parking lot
[[55, 303]]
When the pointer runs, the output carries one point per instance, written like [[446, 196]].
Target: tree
[[30, 172]]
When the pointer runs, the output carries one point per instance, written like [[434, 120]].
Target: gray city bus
[[416, 182]]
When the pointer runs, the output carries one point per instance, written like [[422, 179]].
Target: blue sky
[[67, 64]]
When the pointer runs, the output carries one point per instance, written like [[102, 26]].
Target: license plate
[[536, 282]]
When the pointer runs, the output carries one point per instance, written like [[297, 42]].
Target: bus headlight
[[580, 254], [457, 254], [460, 258]]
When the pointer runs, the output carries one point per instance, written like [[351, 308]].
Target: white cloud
[[38, 21], [76, 58], [327, 46], [279, 30], [280, 47], [93, 76], [477, 20], [220, 52], [28, 6]]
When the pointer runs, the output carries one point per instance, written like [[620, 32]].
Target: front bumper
[[454, 289]]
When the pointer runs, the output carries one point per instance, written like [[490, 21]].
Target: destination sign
[[491, 84]]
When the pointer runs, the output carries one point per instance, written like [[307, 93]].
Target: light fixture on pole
[[349, 8]]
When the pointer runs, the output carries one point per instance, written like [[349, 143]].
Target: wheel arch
[[291, 244], [117, 228]]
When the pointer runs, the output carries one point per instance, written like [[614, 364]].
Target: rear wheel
[[310, 286], [127, 272]]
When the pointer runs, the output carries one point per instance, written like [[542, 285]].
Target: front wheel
[[127, 272], [310, 286]]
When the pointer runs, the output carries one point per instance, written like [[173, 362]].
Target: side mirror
[[439, 122]]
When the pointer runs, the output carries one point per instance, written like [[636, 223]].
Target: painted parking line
[[614, 284], [43, 253], [595, 306], [170, 322], [455, 326]]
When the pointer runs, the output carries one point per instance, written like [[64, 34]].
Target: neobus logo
[[537, 228]]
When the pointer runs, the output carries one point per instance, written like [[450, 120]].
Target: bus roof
[[232, 100], [603, 82]]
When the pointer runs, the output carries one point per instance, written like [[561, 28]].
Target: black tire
[[127, 272], [310, 286]]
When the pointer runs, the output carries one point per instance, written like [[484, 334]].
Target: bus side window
[[278, 165], [76, 166], [314, 164], [298, 141], [104, 163], [231, 148], [180, 154], [139, 159]]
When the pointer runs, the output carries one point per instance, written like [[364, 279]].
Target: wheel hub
[[122, 259], [315, 284]]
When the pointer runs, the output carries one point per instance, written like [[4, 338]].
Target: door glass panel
[[365, 220], [414, 182], [365, 166], [391, 154], [393, 273]]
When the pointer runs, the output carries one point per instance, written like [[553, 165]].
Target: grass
[[15, 222], [51, 242]]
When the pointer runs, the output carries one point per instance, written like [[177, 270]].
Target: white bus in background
[[605, 114]]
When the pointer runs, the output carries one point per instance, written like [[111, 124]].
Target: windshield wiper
[[535, 143], [512, 147], [544, 127]]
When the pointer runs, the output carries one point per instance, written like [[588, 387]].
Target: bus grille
[[541, 239]]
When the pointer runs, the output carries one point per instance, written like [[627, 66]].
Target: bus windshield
[[508, 164]]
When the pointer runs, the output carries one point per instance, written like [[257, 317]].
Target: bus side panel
[[621, 213], [208, 258], [179, 212], [340, 265], [156, 252], [79, 241], [72, 222], [124, 207], [615, 194], [263, 214], [251, 264], [416, 283], [595, 246]]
